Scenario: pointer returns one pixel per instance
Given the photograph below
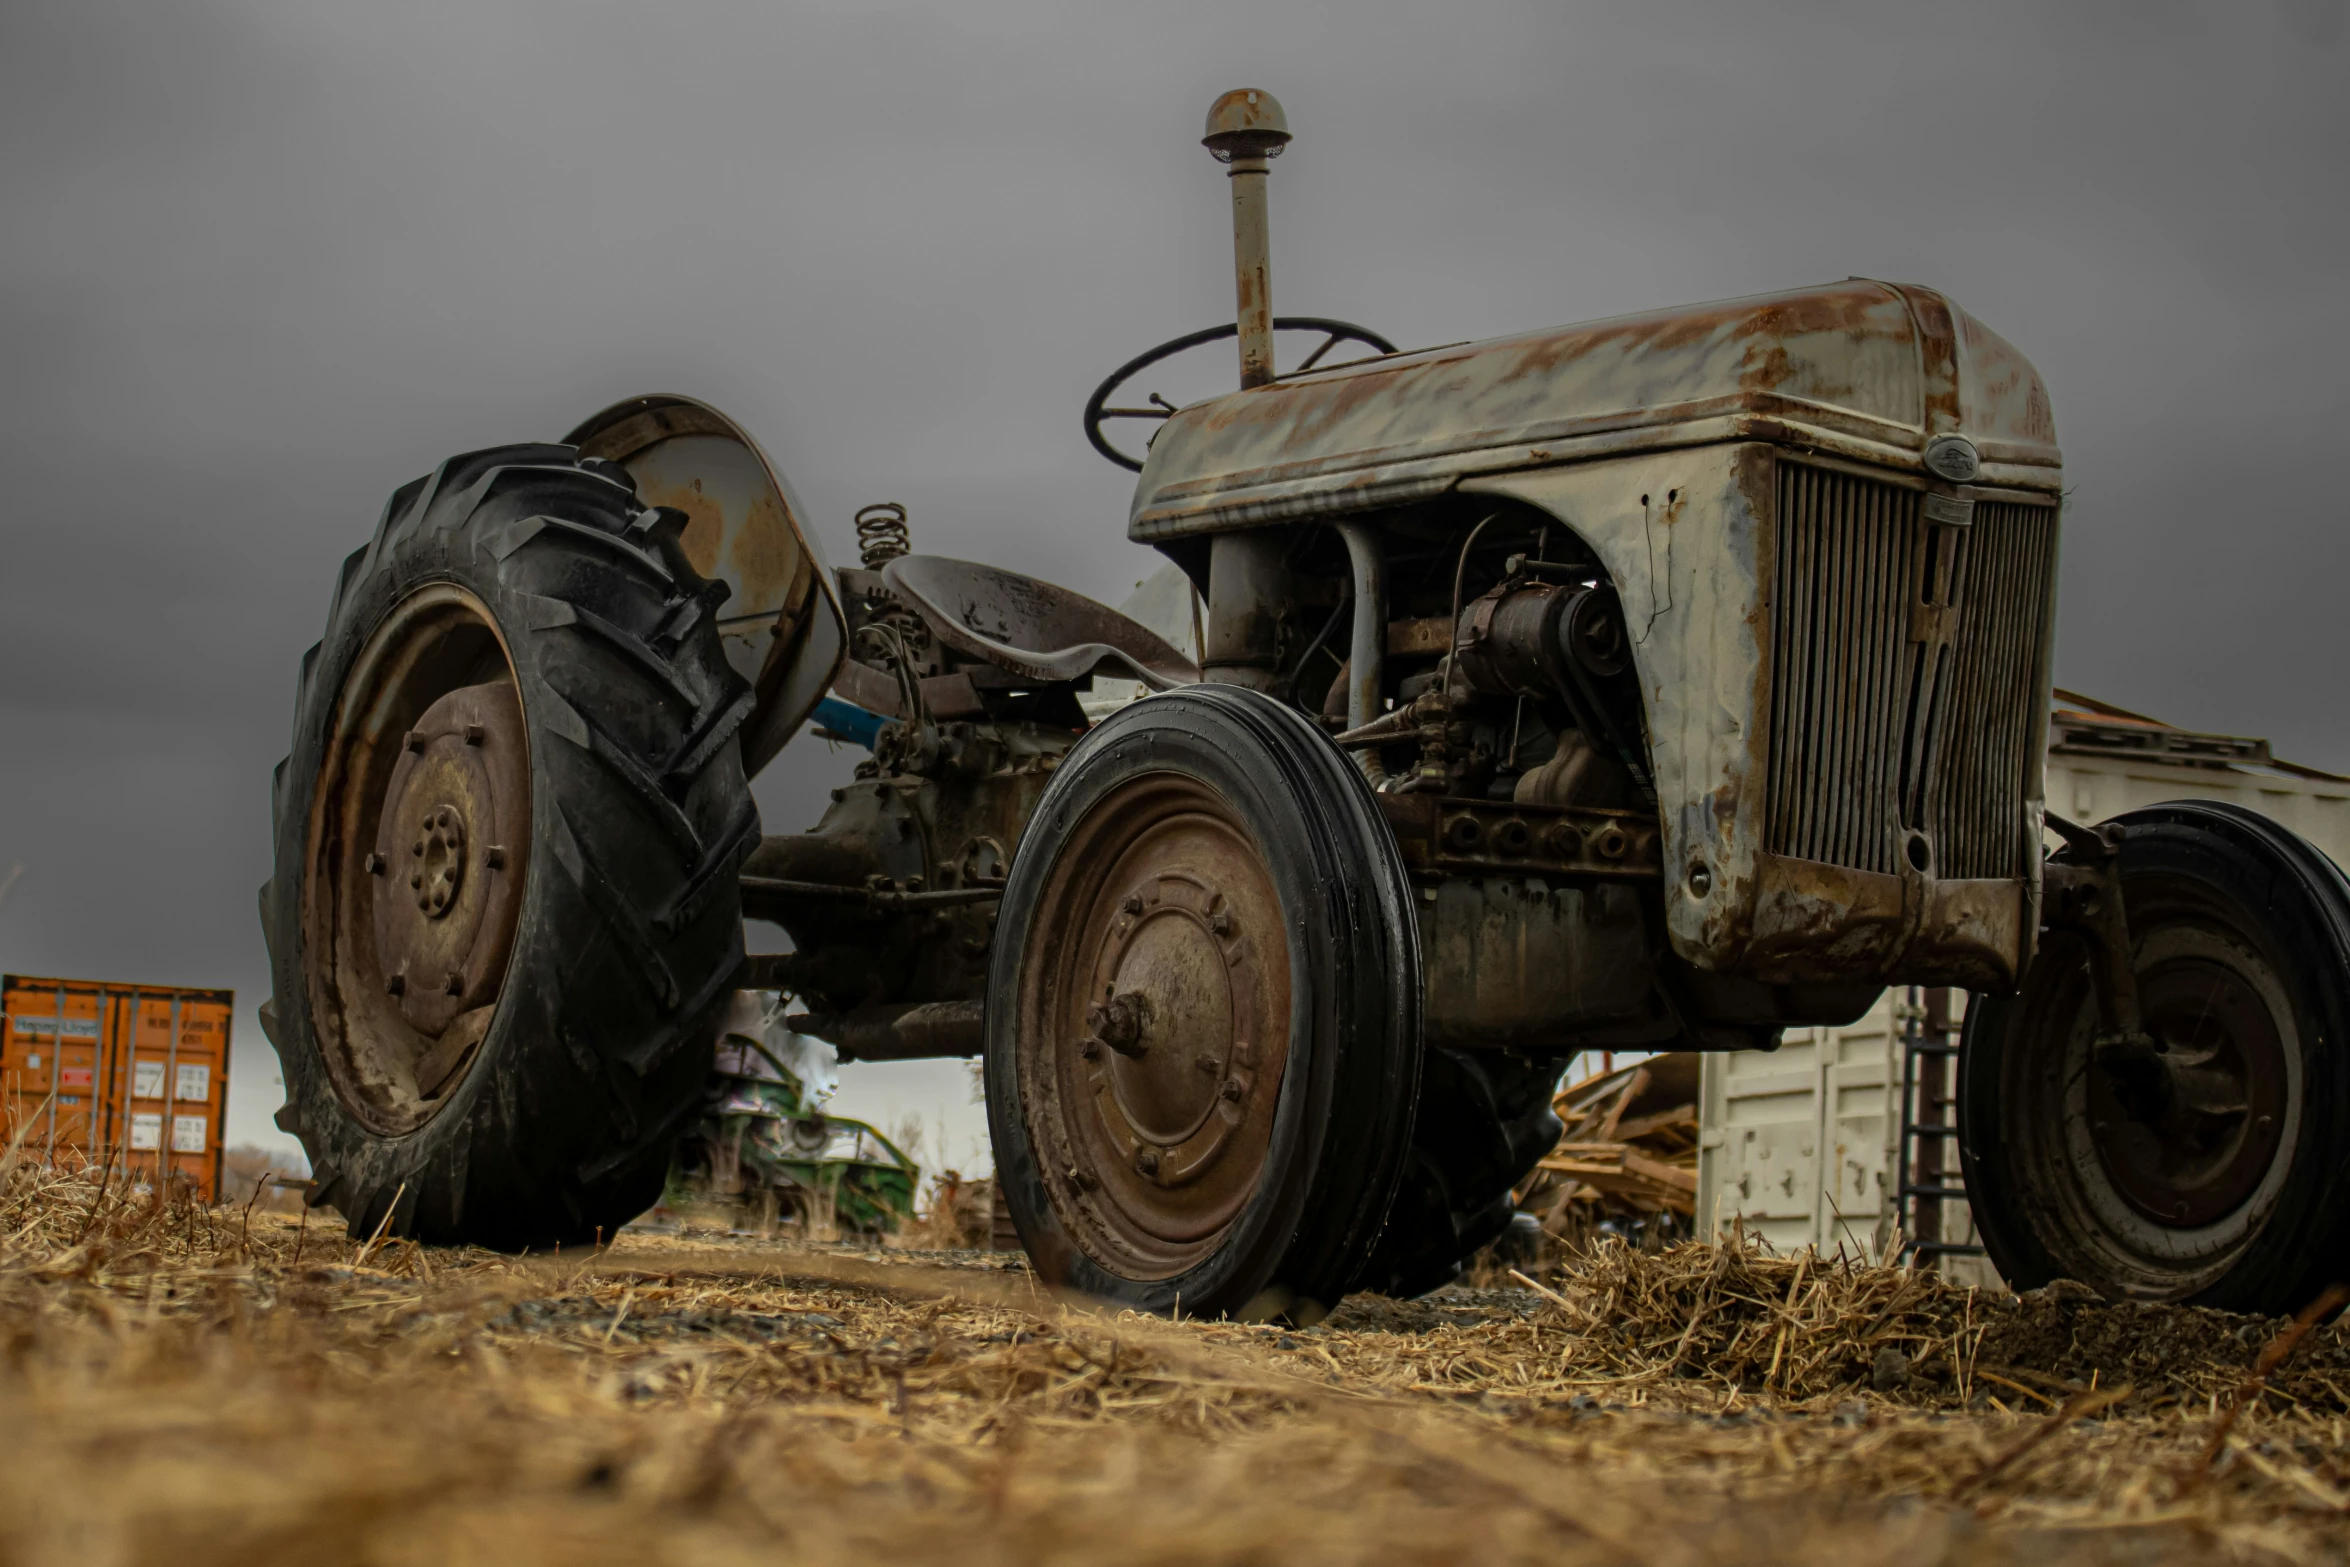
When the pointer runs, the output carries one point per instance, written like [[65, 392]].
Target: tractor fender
[[780, 623]]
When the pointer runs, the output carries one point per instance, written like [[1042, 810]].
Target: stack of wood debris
[[1629, 1151], [962, 1215]]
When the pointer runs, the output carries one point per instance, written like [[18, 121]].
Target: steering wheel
[[1098, 411]]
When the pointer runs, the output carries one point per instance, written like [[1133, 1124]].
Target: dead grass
[[183, 1384]]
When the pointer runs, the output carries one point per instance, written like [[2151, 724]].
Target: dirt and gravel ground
[[183, 1385]]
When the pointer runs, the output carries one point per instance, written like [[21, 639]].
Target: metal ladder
[[1927, 1099]]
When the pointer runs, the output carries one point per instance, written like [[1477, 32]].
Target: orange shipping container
[[127, 1075]]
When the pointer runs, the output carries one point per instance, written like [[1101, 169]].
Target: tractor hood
[[1865, 370], [780, 625]]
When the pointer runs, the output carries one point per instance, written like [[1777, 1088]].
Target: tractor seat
[[1032, 628]]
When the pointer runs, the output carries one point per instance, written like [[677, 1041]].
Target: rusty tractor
[[1667, 681]]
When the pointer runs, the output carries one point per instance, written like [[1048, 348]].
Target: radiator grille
[[1905, 657]]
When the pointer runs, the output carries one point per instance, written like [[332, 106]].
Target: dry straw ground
[[192, 1386]]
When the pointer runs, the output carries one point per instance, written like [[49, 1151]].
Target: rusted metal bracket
[[1446, 836], [2085, 896]]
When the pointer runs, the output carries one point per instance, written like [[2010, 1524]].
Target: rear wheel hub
[[445, 902], [420, 857]]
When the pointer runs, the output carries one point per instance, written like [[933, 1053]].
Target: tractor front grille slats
[[1839, 632], [1905, 659], [1988, 711]]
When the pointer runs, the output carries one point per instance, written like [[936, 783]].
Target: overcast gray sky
[[262, 262]]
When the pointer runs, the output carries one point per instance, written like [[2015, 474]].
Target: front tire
[[504, 910], [1484, 1123], [1203, 1027], [2225, 1187]]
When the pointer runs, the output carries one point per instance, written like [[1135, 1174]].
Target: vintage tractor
[[1668, 681]]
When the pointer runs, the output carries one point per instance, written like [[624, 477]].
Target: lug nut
[[473, 734], [375, 863], [396, 985], [494, 857], [1220, 922], [1133, 904], [1231, 1089], [1147, 1162], [1083, 1180], [454, 984], [1208, 1064], [1091, 1049], [415, 740]]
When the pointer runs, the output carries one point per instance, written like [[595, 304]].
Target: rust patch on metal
[[1416, 638], [1884, 366], [1509, 962], [1818, 922]]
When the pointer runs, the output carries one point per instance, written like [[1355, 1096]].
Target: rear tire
[[1203, 1023], [2230, 1191], [533, 1099]]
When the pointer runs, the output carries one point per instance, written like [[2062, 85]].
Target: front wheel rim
[[1154, 1020], [2133, 1205]]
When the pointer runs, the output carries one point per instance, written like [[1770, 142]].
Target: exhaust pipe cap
[[1246, 123]]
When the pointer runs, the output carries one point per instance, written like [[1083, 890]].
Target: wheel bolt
[[1231, 1088], [375, 863], [396, 985], [455, 984], [473, 734], [415, 740], [1133, 903], [1220, 922], [1147, 1162]]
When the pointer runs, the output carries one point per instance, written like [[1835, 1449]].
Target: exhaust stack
[[1246, 129]]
